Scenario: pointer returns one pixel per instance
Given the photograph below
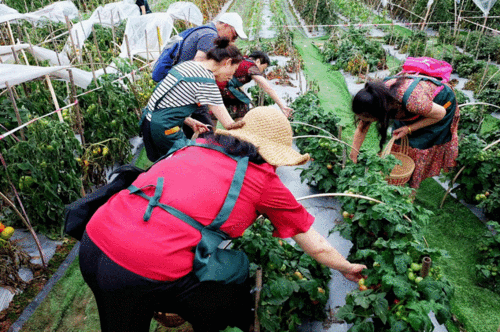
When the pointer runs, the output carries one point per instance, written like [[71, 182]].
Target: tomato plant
[[294, 284], [489, 257], [45, 173], [478, 182]]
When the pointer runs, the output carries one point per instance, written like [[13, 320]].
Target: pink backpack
[[429, 67]]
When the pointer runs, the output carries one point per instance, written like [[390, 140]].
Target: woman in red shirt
[[138, 258]]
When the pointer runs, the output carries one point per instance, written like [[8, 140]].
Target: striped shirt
[[187, 93]]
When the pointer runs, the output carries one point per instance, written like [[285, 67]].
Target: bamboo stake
[[28, 225], [113, 31], [466, 40], [128, 49], [11, 36], [54, 44], [315, 11], [16, 110], [160, 41], [98, 50], [68, 25], [77, 107], [31, 46], [258, 288], [480, 36], [54, 98], [346, 195], [147, 49], [481, 87]]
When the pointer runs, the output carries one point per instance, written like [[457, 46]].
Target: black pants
[[202, 115], [127, 301]]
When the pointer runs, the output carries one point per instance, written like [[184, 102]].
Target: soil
[[40, 278]]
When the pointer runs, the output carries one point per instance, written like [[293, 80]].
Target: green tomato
[[411, 276], [283, 267], [418, 279], [415, 267]]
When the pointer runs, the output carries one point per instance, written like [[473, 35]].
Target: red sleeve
[[287, 215]]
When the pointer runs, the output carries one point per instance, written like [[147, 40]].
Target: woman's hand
[[401, 132], [353, 272], [236, 125], [196, 125], [287, 111]]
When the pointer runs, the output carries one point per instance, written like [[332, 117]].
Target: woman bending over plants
[[419, 107], [154, 247]]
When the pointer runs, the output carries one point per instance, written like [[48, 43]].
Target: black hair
[[236, 147], [378, 101], [262, 56], [223, 49]]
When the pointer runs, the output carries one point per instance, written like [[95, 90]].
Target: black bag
[[78, 213]]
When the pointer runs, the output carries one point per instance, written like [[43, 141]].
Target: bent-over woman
[[140, 251], [420, 107], [188, 86]]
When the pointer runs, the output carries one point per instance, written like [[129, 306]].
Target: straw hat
[[269, 130]]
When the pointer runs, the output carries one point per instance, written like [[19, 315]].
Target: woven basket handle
[[405, 144]]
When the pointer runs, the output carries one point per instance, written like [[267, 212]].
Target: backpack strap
[[413, 85], [178, 54]]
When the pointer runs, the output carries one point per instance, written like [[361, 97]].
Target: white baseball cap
[[234, 20]]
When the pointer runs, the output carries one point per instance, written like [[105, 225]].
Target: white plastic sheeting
[[485, 5], [144, 27], [55, 12], [138, 27], [111, 14], [17, 74], [108, 15], [186, 11]]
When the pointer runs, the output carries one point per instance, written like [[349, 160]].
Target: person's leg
[[212, 306], [121, 295], [151, 149]]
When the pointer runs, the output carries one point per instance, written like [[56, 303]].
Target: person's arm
[[262, 82], [143, 9], [318, 248], [225, 119], [435, 115], [359, 138]]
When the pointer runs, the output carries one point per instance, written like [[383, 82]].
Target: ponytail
[[223, 49]]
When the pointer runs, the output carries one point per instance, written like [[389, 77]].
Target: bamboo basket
[[169, 320], [401, 174]]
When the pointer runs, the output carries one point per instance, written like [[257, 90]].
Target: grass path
[[454, 228]]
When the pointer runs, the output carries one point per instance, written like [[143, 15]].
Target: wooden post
[[113, 32], [315, 11], [77, 107], [425, 18], [68, 25], [31, 46], [480, 36], [258, 288], [16, 110], [130, 57], [54, 44], [98, 50], [466, 40], [160, 41], [426, 265], [484, 74], [147, 48], [54, 98], [11, 35]]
